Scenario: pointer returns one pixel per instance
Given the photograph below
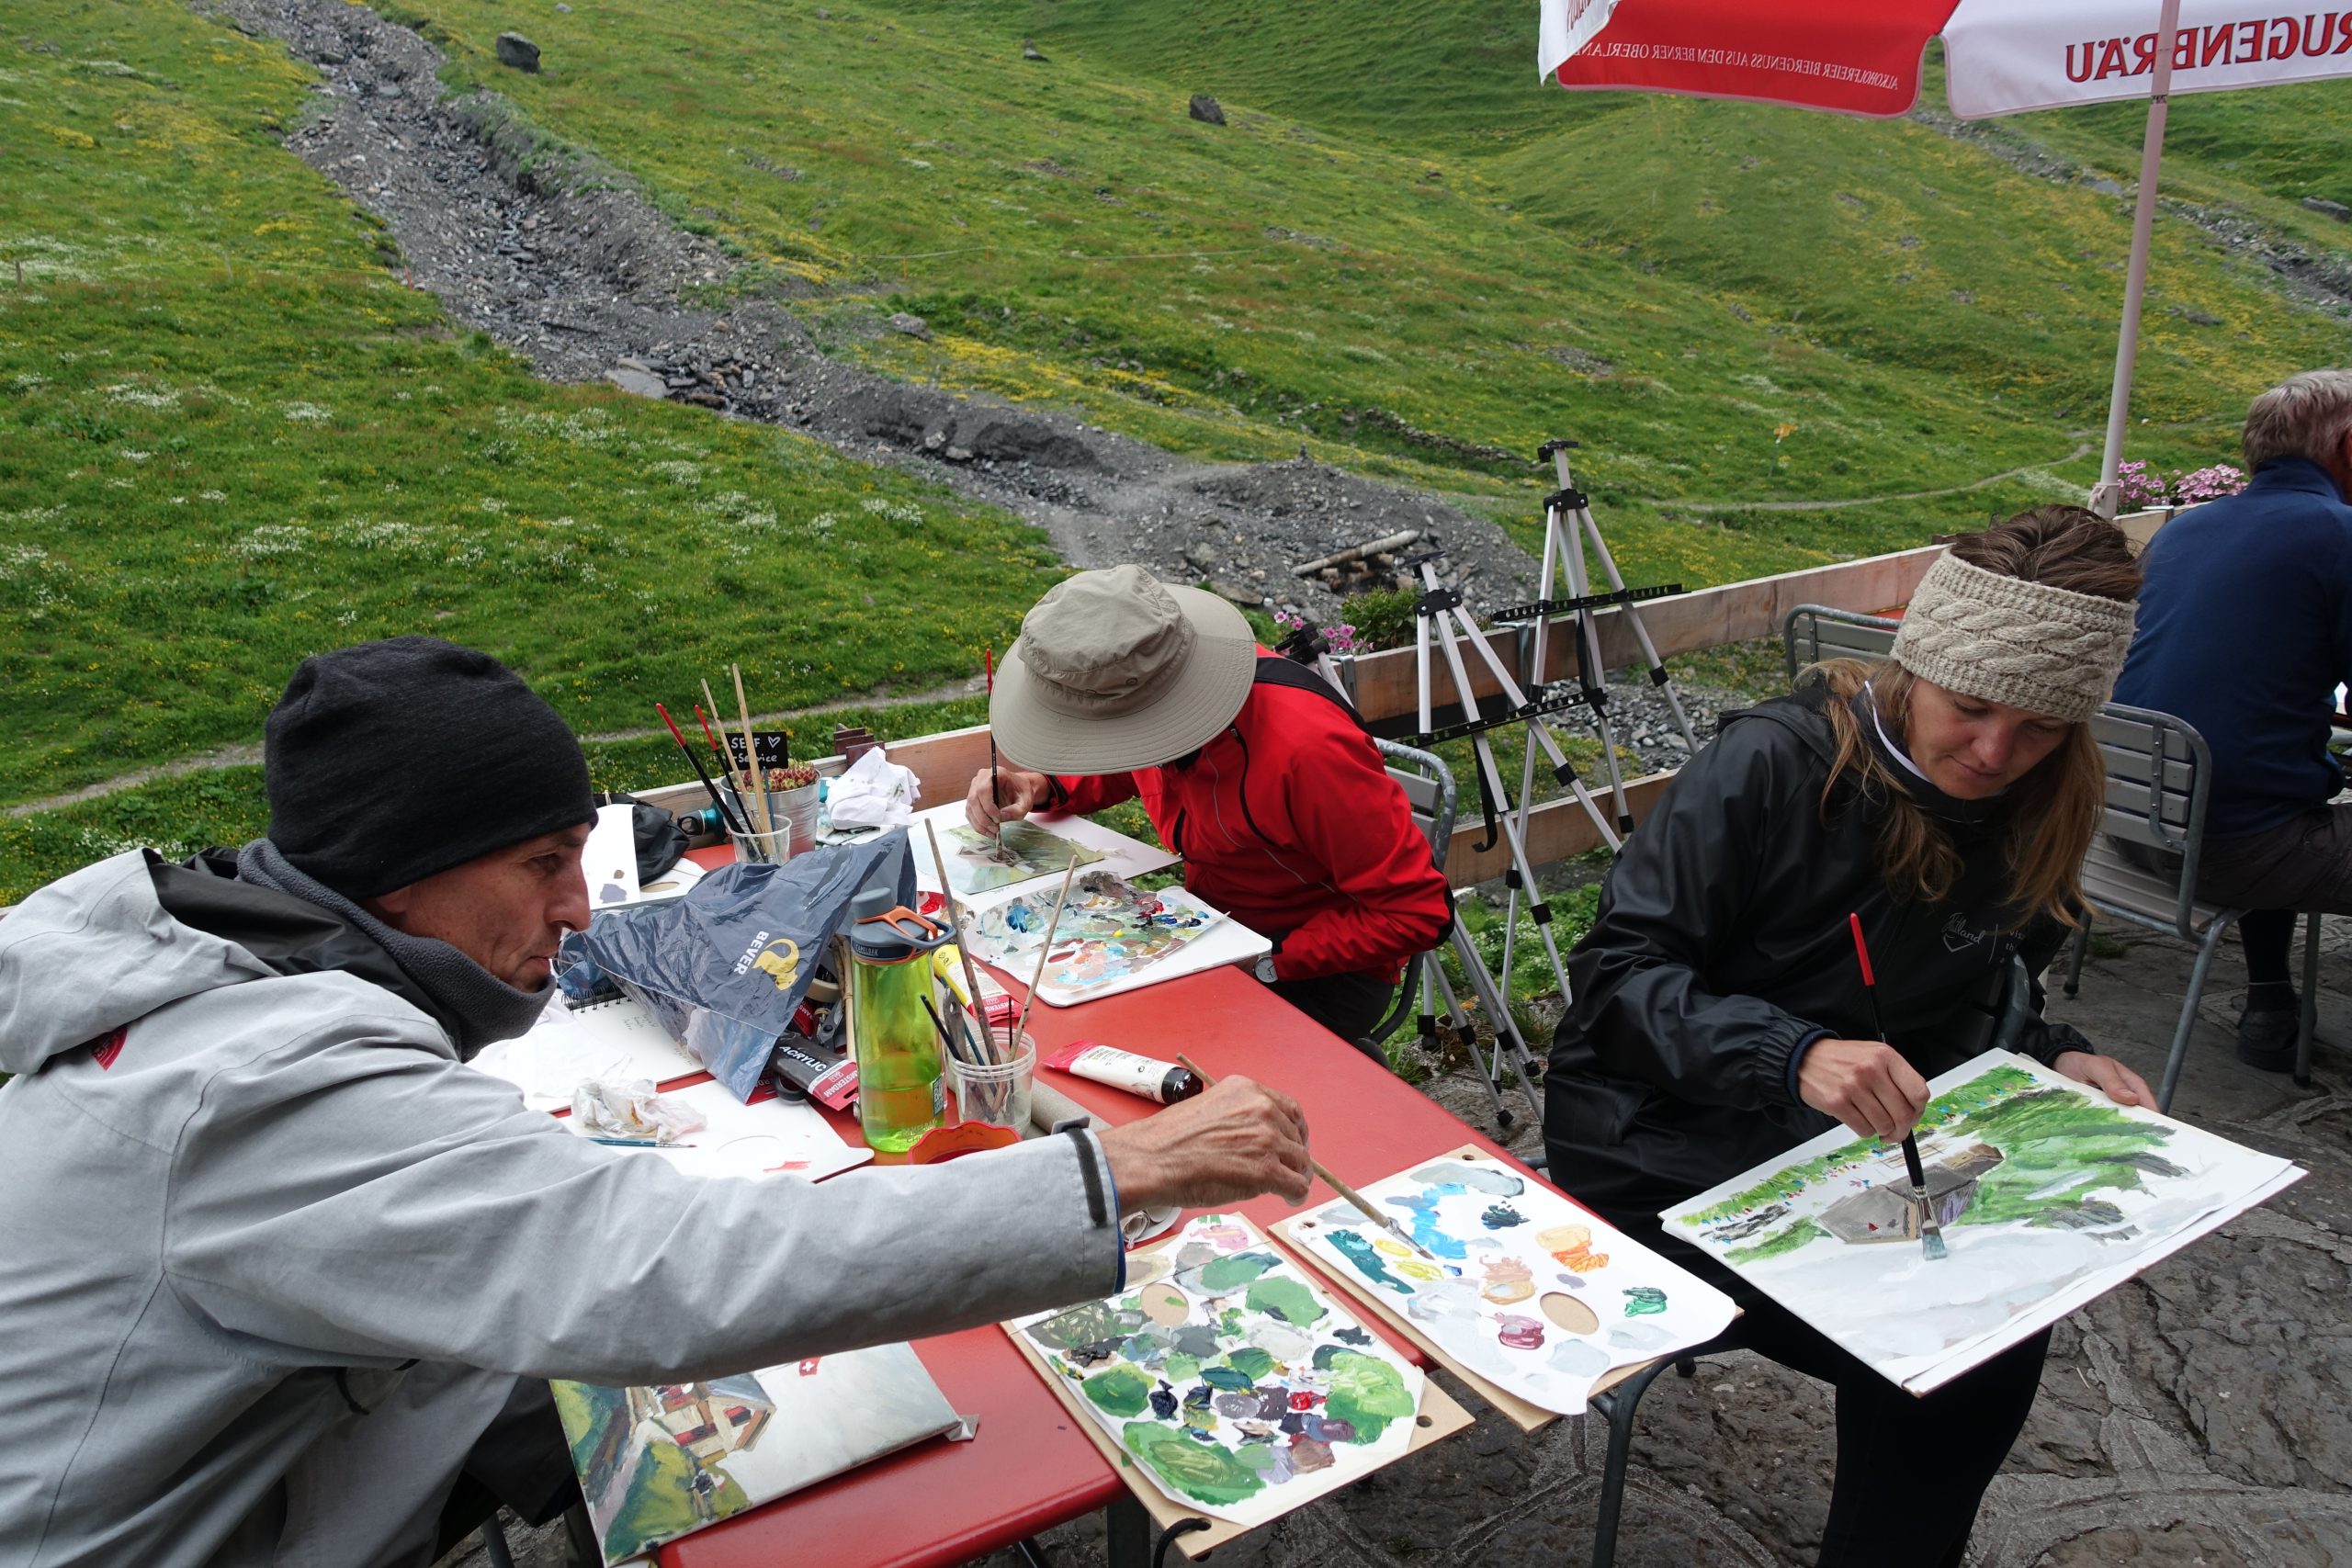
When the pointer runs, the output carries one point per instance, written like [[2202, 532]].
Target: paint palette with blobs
[[1227, 1374], [1109, 932], [1521, 1286]]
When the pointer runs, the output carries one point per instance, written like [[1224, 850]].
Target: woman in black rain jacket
[[1945, 797]]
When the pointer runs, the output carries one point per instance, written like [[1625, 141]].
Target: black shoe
[[2266, 1038]]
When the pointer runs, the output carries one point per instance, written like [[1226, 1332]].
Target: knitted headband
[[2002, 639]]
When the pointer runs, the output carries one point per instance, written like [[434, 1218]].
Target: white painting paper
[[1526, 1289], [2048, 1195]]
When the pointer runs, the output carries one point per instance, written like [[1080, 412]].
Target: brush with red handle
[[725, 814], [1931, 1235]]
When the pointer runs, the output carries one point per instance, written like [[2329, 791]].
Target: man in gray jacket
[[280, 1275]]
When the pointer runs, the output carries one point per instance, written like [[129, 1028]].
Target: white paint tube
[[1165, 1082]]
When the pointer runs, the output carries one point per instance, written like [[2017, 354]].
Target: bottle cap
[[883, 930]]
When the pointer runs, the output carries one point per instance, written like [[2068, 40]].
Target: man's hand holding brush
[[1226, 1145]]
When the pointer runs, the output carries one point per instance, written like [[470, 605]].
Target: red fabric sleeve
[[1090, 793], [1354, 819]]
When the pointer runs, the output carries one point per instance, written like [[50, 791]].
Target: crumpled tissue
[[874, 793]]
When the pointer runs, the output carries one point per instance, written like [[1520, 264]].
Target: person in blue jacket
[[2246, 632]]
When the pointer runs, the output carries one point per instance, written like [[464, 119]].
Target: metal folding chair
[[2158, 775], [1816, 632], [1429, 789]]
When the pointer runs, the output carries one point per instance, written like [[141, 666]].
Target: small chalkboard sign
[[775, 746]]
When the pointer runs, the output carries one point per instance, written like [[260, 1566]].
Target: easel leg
[[1128, 1529], [1658, 677]]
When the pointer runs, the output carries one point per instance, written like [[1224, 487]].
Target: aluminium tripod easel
[[1441, 621]]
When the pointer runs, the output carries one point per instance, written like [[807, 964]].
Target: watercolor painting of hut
[[2048, 1195], [1888, 1211]]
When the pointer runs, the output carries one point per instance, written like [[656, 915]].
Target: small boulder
[[1030, 51], [1236, 593], [1202, 556], [518, 52], [2327, 209], [914, 326], [1206, 110], [630, 378]]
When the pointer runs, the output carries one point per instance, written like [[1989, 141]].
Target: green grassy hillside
[[229, 437], [1406, 253]]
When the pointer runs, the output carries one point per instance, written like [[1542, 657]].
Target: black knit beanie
[[390, 761]]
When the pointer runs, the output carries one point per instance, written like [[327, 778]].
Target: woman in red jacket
[[1252, 768]]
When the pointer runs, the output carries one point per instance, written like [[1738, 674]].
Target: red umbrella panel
[[1825, 55]]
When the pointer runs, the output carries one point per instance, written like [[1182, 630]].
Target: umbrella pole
[[2107, 499]]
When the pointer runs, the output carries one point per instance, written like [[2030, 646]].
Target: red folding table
[[1030, 1467]]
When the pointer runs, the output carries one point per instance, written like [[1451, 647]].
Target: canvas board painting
[[1021, 852], [1109, 933], [1236, 1383], [2048, 1195], [659, 1463], [1528, 1290]]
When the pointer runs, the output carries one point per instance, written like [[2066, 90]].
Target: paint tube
[[1163, 1081], [807, 1070]]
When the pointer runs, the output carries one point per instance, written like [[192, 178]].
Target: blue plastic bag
[[724, 969]]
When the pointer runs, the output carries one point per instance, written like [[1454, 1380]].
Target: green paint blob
[[1368, 1393], [1227, 1272], [1251, 1362], [1122, 1390], [1181, 1367], [1206, 1472], [1643, 1300], [1286, 1299]]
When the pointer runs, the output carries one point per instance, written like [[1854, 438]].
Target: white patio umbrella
[[2001, 56]]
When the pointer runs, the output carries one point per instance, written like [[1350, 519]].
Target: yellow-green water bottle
[[900, 1092]]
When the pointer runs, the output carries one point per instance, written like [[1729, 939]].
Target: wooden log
[[1382, 684], [1357, 552]]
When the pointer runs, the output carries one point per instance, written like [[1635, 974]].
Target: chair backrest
[[1429, 788], [2159, 773], [1816, 632]]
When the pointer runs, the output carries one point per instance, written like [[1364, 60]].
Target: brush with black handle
[[1931, 1235]]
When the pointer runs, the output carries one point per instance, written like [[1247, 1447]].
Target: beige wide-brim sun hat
[[1115, 671]]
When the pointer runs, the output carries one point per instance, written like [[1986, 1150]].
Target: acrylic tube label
[[1108, 1065]]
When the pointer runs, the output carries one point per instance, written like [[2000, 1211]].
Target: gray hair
[[2304, 416]]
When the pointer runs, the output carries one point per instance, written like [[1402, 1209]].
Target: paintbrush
[[988, 663], [1362, 1203], [947, 1041], [750, 759], [963, 951], [1932, 1234], [740, 782], [700, 772], [1037, 975]]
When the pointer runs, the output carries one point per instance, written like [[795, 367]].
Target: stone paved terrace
[[2196, 1418]]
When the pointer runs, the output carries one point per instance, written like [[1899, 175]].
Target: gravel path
[[561, 260]]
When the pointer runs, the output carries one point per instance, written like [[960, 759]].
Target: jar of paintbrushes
[[778, 814], [993, 1080]]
